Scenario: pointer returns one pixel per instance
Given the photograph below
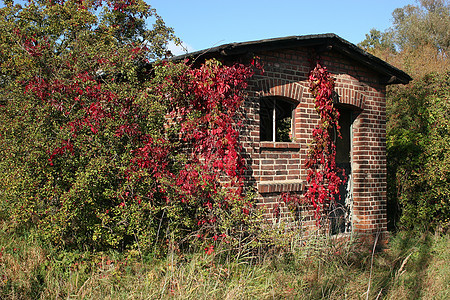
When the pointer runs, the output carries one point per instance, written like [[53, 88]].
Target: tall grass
[[413, 266]]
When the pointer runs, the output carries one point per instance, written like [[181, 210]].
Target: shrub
[[418, 143], [103, 145]]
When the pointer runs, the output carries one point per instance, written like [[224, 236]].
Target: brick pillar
[[369, 165]]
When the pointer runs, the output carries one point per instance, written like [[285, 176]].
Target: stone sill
[[279, 145], [281, 186]]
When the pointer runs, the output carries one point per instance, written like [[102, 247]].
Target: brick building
[[280, 117]]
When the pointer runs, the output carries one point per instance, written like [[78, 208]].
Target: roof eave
[[325, 42]]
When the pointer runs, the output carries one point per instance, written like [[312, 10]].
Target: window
[[276, 119]]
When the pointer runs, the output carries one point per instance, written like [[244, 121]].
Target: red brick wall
[[278, 167]]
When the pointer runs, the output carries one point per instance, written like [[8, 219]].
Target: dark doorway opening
[[341, 212]]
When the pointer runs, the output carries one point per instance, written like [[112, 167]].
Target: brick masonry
[[274, 168]]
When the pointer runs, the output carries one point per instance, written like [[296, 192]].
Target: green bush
[[103, 144], [418, 145]]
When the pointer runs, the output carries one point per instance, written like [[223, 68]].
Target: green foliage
[[377, 40], [418, 143], [283, 128], [105, 146], [418, 41], [414, 26], [65, 67], [414, 266], [417, 127]]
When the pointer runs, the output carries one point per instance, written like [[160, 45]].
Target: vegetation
[[111, 158], [105, 146], [418, 135], [418, 150], [323, 179], [415, 266]]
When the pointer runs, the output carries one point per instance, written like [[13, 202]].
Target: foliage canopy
[[418, 136], [103, 144]]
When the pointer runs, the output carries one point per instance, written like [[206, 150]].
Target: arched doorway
[[341, 212]]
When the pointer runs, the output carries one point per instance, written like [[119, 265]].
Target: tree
[[427, 24], [414, 27], [417, 139], [103, 144], [419, 40], [418, 145], [377, 40]]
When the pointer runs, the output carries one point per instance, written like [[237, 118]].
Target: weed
[[413, 266]]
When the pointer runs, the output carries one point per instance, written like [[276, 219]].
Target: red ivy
[[323, 179], [202, 105]]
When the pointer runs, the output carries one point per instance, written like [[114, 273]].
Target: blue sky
[[203, 24]]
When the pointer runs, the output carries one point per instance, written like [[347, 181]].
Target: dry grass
[[412, 267]]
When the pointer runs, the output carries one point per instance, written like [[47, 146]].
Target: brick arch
[[351, 96], [280, 87]]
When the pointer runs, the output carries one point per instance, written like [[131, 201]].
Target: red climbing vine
[[176, 149], [116, 146], [323, 178]]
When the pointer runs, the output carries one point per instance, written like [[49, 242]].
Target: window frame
[[284, 105]]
